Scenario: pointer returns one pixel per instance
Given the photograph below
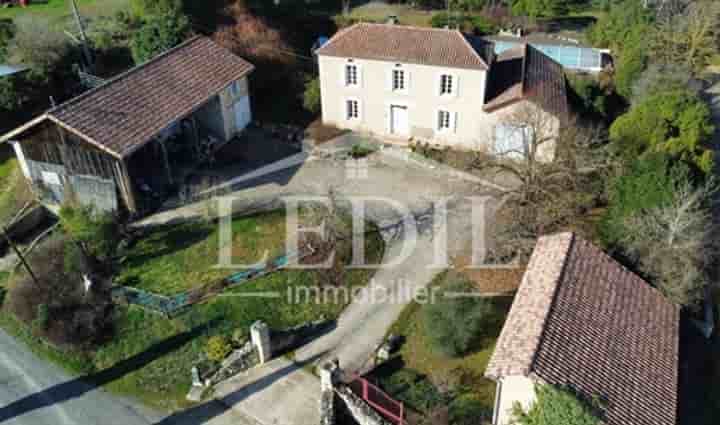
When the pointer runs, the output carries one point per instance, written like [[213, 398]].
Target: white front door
[[399, 121], [243, 115]]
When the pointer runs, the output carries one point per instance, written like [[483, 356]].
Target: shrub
[[240, 336], [454, 323], [159, 33], [311, 96], [96, 232], [361, 150], [414, 389], [557, 406], [467, 409], [218, 347], [649, 182], [675, 122]]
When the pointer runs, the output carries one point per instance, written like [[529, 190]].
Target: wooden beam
[[166, 160], [126, 183]]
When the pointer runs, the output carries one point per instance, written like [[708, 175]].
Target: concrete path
[[282, 392]]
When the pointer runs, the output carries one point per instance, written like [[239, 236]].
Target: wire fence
[[170, 306]]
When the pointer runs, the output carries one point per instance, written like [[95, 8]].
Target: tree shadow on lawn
[[78, 387], [173, 238]]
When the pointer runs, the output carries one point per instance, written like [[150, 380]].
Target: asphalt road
[[34, 392]]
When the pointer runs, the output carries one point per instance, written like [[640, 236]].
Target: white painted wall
[[511, 390], [472, 128], [227, 102]]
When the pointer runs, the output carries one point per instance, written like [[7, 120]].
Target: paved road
[[34, 392]]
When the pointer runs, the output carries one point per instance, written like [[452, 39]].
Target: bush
[[97, 233], [311, 96], [557, 406], [467, 409], [361, 150], [414, 389], [159, 33], [240, 336], [77, 319], [453, 323], [649, 182], [675, 122], [218, 347]]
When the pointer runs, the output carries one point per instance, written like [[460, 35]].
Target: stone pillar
[[329, 375], [260, 337]]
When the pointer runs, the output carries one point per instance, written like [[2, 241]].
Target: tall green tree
[[555, 406], [159, 33], [675, 122]]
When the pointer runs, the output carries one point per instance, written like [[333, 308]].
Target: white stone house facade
[[408, 84]]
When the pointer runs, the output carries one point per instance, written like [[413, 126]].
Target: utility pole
[[83, 36], [20, 256]]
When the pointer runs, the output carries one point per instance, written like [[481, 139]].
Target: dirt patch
[[323, 133], [500, 281]]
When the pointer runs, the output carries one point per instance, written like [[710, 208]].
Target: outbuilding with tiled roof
[[582, 320]]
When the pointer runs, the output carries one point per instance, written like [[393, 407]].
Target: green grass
[[173, 259], [379, 13], [58, 10], [149, 357], [14, 191], [417, 356]]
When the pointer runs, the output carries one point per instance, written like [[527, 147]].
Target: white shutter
[[438, 85], [343, 77], [359, 71], [454, 123], [408, 76], [456, 85], [360, 110], [388, 80]]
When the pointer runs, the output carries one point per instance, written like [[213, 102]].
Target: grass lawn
[[378, 12], [173, 259], [14, 191], [149, 357], [417, 356], [57, 10]]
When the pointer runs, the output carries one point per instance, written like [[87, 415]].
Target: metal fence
[[388, 407], [171, 306]]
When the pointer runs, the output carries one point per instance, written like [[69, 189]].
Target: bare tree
[[689, 38], [673, 245], [547, 159]]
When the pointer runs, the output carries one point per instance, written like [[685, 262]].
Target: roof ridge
[[125, 74], [406, 27]]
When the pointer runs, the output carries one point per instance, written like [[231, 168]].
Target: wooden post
[[125, 182], [20, 256]]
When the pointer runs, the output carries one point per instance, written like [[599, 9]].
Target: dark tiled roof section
[[131, 109], [524, 72], [505, 80], [397, 43], [607, 333], [520, 336], [544, 82]]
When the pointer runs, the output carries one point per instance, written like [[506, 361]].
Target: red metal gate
[[388, 407]]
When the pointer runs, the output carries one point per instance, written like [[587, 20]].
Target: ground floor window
[[444, 120], [511, 140], [352, 109]]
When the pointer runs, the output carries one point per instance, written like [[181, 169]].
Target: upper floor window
[[398, 80], [352, 109], [351, 74], [447, 84]]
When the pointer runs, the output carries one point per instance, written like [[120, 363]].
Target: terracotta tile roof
[[128, 111], [581, 319], [397, 43], [524, 72]]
